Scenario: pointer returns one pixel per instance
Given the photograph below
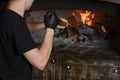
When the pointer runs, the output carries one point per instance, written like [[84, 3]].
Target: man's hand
[[51, 20]]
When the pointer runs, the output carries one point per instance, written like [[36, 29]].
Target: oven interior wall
[[94, 5]]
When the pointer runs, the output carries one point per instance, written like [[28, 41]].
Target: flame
[[103, 29], [86, 17]]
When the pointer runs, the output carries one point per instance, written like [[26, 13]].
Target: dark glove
[[51, 20]]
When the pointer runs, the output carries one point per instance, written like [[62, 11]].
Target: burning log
[[72, 26], [100, 22]]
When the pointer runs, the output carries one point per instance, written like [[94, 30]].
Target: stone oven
[[86, 43]]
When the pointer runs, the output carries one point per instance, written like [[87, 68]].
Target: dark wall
[[118, 36], [94, 5]]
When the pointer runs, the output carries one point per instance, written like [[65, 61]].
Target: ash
[[89, 38], [67, 43]]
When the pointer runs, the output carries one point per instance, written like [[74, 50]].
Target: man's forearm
[[35, 26], [46, 46], [38, 57]]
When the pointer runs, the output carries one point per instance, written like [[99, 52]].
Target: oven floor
[[81, 63]]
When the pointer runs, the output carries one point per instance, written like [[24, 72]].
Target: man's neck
[[18, 8]]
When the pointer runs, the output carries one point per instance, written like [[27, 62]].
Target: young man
[[17, 48]]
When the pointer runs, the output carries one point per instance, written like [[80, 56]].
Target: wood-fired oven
[[87, 48]]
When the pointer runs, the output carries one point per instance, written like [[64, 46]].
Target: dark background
[[94, 5]]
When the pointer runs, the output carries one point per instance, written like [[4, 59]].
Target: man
[[17, 48]]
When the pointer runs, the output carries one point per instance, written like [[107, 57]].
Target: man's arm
[[38, 57], [35, 26]]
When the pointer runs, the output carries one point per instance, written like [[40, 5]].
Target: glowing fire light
[[86, 17], [103, 29]]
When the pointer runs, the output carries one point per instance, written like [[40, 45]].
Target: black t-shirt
[[15, 40]]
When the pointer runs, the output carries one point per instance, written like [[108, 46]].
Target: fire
[[86, 17]]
